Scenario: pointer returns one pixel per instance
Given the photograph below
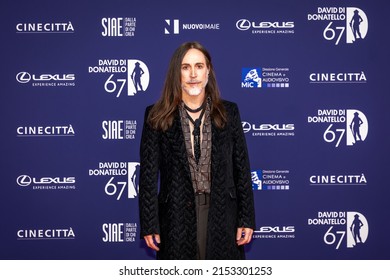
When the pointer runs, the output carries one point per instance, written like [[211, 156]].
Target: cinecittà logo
[[45, 131], [338, 78], [46, 234], [338, 180], [44, 27]]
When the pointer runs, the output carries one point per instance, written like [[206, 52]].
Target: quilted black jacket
[[169, 209]]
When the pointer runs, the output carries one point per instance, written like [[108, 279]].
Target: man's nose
[[193, 72]]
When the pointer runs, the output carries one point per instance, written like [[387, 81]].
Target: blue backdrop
[[310, 81]]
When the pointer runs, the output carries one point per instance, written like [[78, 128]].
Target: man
[[194, 140]]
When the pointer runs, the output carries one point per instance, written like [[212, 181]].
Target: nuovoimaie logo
[[343, 229], [173, 26], [348, 24]]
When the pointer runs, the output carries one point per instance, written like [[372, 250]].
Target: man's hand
[[244, 236], [151, 241]]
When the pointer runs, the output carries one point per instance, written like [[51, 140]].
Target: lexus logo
[[23, 77], [243, 24], [24, 180], [246, 127]]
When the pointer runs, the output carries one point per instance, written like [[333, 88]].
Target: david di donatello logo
[[123, 179], [342, 24], [349, 127], [342, 228], [126, 77]]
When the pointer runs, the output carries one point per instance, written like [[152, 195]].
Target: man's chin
[[193, 91]]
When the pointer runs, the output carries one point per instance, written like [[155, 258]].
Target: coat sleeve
[[242, 174], [148, 185]]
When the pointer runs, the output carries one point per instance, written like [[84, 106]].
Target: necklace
[[196, 132], [194, 110]]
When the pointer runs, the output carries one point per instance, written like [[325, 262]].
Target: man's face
[[194, 73]]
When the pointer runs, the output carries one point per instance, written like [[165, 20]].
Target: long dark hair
[[162, 114]]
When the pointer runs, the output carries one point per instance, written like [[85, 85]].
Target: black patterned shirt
[[200, 173]]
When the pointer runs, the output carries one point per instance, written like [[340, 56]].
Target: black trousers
[[202, 201]]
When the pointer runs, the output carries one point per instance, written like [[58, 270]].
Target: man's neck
[[192, 101]]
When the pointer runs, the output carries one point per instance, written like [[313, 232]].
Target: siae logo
[[112, 27], [119, 129], [119, 232], [118, 27]]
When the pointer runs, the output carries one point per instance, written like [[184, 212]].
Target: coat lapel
[[217, 153], [176, 141]]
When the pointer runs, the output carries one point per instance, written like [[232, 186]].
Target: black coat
[[170, 211]]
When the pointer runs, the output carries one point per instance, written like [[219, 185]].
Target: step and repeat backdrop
[[309, 78]]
